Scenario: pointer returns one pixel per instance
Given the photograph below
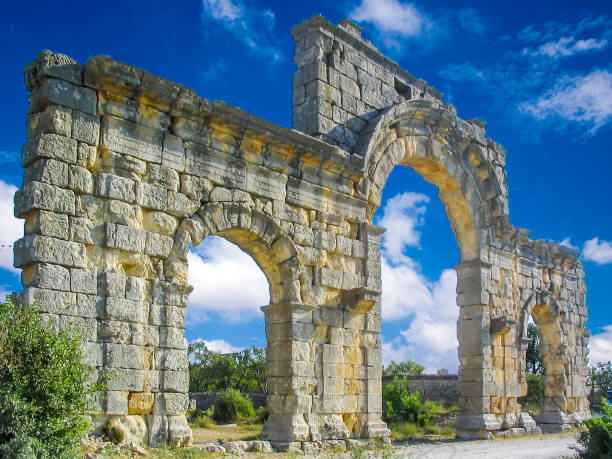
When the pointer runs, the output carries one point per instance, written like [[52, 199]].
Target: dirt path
[[545, 446]]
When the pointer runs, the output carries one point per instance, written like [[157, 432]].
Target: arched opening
[[542, 312]]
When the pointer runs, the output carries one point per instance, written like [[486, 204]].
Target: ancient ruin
[[125, 171]]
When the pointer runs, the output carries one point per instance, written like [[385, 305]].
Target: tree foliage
[[401, 406], [43, 387], [232, 406], [601, 382], [403, 368], [213, 372], [535, 364], [596, 441]]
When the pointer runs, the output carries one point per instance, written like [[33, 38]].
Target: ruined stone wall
[[125, 171]]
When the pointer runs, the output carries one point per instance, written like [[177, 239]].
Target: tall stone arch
[[125, 171]]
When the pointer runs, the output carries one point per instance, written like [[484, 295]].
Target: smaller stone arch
[[546, 313], [252, 231]]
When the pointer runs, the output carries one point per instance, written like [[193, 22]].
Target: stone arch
[[252, 231], [425, 136], [546, 313]]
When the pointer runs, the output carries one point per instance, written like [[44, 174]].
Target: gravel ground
[[545, 446]]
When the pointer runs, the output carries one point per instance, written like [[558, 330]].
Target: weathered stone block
[[55, 119], [125, 238], [85, 127], [37, 195], [33, 248], [115, 187], [80, 180], [47, 171], [58, 92], [126, 310], [129, 138], [151, 196], [176, 381], [84, 281], [176, 403]]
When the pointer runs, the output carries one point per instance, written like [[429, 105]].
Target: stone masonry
[[125, 171]]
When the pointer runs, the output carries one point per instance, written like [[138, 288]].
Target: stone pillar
[[290, 372], [476, 379]]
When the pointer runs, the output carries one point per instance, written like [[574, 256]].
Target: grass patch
[[411, 431]]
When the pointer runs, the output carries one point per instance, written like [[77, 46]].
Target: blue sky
[[540, 74]]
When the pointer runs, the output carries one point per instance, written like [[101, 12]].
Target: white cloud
[[219, 345], [598, 251], [430, 306], [569, 46], [401, 216], [568, 243], [600, 345], [584, 99], [393, 20], [248, 24], [226, 281], [12, 228]]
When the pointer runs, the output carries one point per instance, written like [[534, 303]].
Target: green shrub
[[232, 406], [596, 441], [43, 387], [401, 406], [535, 392]]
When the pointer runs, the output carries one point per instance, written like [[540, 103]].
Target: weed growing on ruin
[[596, 441]]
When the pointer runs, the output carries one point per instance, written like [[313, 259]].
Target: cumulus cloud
[[219, 345], [226, 281], [568, 243], [248, 24], [585, 99], [12, 228], [394, 20], [600, 345], [430, 307], [598, 251]]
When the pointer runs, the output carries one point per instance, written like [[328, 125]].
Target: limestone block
[[131, 139], [37, 195], [113, 284], [172, 337], [47, 224], [328, 277], [157, 245], [127, 356], [48, 171], [43, 275], [84, 325], [173, 153], [158, 430], [144, 335], [324, 240], [170, 316], [165, 177], [176, 381], [116, 402], [85, 128], [92, 354], [90, 305], [179, 432], [123, 213], [180, 205], [175, 403], [34, 248], [46, 300], [159, 222], [151, 196], [125, 238], [125, 379], [84, 281], [116, 187], [135, 288], [171, 359], [80, 180], [126, 310], [58, 92], [55, 119], [152, 380], [86, 155]]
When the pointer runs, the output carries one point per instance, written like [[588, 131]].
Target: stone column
[[289, 372], [476, 378]]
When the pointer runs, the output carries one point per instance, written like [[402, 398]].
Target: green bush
[[535, 392], [232, 406], [596, 441], [401, 406], [43, 387]]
